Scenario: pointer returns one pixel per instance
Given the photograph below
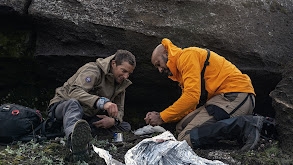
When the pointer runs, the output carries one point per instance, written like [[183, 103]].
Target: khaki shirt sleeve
[[81, 86], [119, 100]]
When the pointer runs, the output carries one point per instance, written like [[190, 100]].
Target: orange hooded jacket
[[221, 76]]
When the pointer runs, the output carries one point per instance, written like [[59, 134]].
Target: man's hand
[[153, 118], [111, 108], [105, 122]]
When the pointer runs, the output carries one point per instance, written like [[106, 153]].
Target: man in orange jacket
[[230, 93]]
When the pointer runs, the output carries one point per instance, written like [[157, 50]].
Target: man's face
[[121, 72], [160, 62]]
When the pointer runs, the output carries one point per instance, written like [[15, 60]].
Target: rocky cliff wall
[[255, 35]]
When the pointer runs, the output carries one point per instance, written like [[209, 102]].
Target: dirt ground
[[56, 152], [266, 152]]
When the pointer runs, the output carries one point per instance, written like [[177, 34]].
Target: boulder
[[282, 98], [252, 34], [14, 6], [255, 35]]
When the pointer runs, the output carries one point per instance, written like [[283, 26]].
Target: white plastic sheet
[[148, 129], [163, 149], [106, 156]]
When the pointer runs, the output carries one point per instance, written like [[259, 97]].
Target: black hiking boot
[[252, 133], [79, 140]]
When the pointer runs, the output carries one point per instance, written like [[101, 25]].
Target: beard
[[166, 71]]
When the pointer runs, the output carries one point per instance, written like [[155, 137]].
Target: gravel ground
[[56, 152]]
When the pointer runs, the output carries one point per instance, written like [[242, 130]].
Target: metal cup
[[118, 137]]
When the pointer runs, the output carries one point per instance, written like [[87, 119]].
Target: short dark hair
[[124, 56]]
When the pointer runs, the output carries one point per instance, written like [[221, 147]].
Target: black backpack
[[20, 123], [269, 130]]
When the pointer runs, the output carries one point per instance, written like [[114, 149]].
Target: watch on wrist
[[101, 102], [116, 121]]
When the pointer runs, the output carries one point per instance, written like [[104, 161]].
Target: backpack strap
[[33, 135], [245, 99], [51, 117], [39, 133], [204, 92], [50, 121]]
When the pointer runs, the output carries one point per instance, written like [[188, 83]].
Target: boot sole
[[80, 137]]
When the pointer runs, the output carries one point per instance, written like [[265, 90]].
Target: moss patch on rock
[[16, 43]]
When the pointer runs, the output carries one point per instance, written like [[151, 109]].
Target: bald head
[[159, 60], [158, 52]]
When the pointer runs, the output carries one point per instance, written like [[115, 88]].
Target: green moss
[[16, 44], [51, 148], [16, 162], [276, 6], [19, 157], [272, 152], [252, 4]]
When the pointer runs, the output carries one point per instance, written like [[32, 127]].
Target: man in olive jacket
[[96, 93]]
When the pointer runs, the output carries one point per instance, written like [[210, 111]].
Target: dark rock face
[[14, 6], [255, 35], [282, 98], [247, 33]]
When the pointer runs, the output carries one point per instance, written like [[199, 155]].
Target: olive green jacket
[[89, 83]]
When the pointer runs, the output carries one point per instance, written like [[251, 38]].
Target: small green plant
[[29, 153]]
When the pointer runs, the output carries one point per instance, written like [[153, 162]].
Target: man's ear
[[165, 53], [113, 63]]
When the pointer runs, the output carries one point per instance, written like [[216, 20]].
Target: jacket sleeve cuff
[[101, 102], [163, 117]]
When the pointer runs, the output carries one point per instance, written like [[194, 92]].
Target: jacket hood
[[104, 63], [173, 54]]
